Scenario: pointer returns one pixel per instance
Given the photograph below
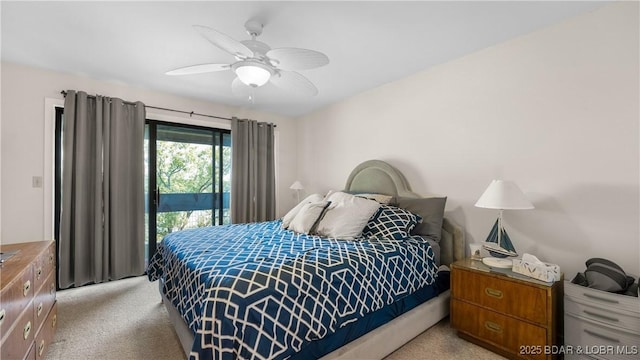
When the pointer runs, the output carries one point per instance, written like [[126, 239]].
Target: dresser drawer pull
[[38, 274], [2, 314], [55, 319], [41, 347], [613, 301], [39, 309], [26, 330], [52, 288], [603, 337], [604, 317], [493, 326], [26, 287], [50, 258], [493, 293]]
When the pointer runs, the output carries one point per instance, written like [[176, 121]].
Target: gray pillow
[[431, 210]]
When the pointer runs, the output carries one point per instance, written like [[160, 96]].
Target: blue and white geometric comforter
[[256, 291]]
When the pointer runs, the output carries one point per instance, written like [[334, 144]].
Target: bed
[[259, 291]]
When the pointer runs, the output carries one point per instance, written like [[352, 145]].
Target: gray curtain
[[253, 189], [102, 210]]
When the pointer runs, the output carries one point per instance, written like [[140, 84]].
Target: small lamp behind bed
[[501, 195], [297, 186]]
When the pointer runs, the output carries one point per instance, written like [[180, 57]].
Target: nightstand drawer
[[501, 331], [513, 298]]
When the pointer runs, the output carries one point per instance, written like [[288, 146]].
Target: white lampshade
[[296, 186], [252, 73], [504, 195]]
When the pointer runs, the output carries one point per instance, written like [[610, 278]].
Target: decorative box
[[532, 267]]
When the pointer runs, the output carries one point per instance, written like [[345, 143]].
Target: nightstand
[[505, 312]]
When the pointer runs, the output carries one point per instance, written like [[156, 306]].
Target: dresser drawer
[[44, 337], [14, 300], [44, 299], [607, 315], [32, 354], [18, 340], [592, 337], [514, 298], [44, 265], [501, 331], [603, 299]]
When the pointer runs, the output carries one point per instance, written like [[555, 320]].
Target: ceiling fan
[[257, 64]]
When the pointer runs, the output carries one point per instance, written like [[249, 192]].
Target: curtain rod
[[191, 113]]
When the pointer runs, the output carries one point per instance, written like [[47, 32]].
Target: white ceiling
[[368, 43]]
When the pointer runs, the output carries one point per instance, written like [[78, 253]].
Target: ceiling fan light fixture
[[252, 73]]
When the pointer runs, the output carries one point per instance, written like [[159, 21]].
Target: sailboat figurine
[[498, 243]]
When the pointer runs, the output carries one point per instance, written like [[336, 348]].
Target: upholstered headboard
[[376, 176]]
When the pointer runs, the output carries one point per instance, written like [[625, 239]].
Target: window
[[187, 177]]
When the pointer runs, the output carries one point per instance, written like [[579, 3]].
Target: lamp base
[[497, 262]]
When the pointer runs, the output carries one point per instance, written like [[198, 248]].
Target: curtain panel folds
[[253, 190], [102, 207]]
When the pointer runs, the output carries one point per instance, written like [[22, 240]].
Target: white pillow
[[307, 217], [286, 220], [381, 198], [346, 216]]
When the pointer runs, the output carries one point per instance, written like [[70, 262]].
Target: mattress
[[258, 291]]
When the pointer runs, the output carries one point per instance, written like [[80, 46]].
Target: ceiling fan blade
[[199, 69], [297, 59], [224, 42], [294, 82]]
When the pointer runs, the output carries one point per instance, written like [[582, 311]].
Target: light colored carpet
[[125, 320]]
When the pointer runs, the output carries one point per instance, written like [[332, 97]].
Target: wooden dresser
[[514, 316], [27, 300]]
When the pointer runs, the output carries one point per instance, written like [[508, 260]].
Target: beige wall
[[26, 142], [556, 110]]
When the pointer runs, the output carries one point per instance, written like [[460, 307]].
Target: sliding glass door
[[188, 178]]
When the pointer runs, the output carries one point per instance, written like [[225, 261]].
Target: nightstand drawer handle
[[26, 330], [603, 337], [2, 314], [38, 274], [493, 326], [26, 287], [39, 309], [54, 320], [600, 298], [50, 258], [493, 293], [604, 317]]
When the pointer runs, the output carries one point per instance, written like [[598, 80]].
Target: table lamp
[[501, 195], [297, 186]]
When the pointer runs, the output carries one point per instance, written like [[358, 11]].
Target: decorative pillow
[[346, 216], [308, 217], [391, 222], [431, 209], [286, 220], [381, 198]]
